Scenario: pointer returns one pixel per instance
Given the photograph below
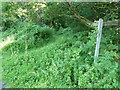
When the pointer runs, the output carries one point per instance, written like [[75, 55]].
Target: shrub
[[67, 62], [25, 38]]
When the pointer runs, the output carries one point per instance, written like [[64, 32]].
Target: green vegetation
[[45, 50]]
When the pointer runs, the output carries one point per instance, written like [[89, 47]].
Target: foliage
[[57, 14], [67, 62], [13, 12], [53, 47], [25, 38]]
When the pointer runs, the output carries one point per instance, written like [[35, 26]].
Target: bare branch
[[78, 16]]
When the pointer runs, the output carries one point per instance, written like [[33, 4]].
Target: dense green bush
[[24, 34], [67, 62]]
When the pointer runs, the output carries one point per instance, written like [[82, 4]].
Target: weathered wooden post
[[100, 25]]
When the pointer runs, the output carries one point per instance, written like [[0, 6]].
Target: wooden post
[[100, 25]]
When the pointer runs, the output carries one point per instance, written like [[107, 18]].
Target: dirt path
[[9, 40]]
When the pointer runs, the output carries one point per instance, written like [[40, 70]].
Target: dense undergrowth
[[41, 57]]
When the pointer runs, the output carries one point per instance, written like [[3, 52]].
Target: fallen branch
[[78, 16]]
